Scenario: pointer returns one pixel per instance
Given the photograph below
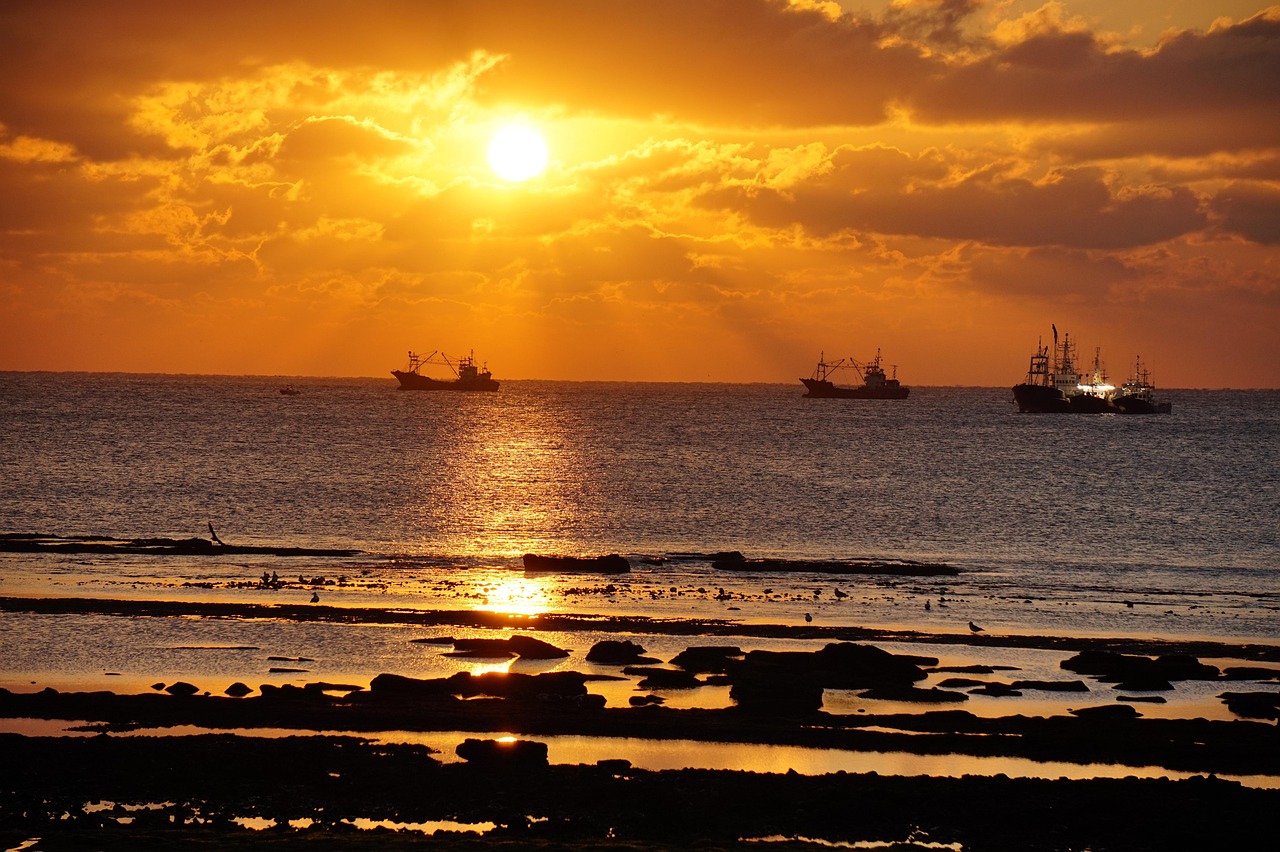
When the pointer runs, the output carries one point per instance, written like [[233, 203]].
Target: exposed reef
[[37, 543], [735, 561]]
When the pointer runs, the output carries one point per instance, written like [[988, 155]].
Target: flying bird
[[975, 628]]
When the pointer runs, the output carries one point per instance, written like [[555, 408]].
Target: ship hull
[[1039, 399], [819, 389], [415, 381], [1137, 405]]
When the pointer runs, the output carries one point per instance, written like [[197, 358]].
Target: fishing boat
[[467, 376], [875, 383], [1053, 385], [1138, 394]]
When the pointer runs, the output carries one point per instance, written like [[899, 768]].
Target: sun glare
[[517, 153]]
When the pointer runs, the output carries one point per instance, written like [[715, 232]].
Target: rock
[[1185, 667], [516, 646], [799, 694], [997, 690], [238, 690], [655, 678], [613, 652], [1253, 705], [396, 686], [526, 647], [914, 694], [847, 665], [325, 686], [706, 658], [1140, 673], [503, 754], [181, 688], [645, 700], [1259, 673], [615, 765], [548, 685], [1106, 711], [1147, 683], [610, 564], [482, 648]]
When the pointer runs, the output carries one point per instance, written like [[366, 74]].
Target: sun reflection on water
[[511, 484], [528, 596]]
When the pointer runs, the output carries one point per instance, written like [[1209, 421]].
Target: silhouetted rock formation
[[507, 755], [1139, 674], [735, 561], [614, 652], [515, 646], [707, 658], [611, 564]]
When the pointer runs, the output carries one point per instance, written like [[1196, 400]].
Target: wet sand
[[196, 786]]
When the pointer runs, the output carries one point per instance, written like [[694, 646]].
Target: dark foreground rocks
[[187, 792]]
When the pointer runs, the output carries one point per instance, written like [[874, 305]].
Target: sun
[[517, 153]]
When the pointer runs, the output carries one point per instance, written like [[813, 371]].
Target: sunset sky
[[303, 188]]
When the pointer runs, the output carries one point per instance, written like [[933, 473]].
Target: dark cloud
[[1074, 208], [1251, 210]]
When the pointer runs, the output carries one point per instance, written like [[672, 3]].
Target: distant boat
[[290, 390], [875, 384], [1053, 385], [1137, 395], [468, 377]]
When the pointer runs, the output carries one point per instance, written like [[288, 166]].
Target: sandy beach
[[307, 763]]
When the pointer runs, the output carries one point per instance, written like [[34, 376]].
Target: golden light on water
[[511, 485], [521, 595]]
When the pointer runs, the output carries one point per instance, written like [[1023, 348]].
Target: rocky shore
[[114, 789]]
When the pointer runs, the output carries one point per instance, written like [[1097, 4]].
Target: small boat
[[611, 564], [467, 376], [875, 384], [1137, 395], [290, 390]]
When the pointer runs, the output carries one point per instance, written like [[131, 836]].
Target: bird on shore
[[975, 628], [808, 617], [841, 594], [927, 605], [315, 598]]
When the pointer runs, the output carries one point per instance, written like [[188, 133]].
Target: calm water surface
[[1176, 510]]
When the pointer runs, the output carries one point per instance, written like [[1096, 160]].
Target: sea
[[1156, 526]]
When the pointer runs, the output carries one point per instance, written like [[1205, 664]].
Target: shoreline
[[641, 625], [211, 780]]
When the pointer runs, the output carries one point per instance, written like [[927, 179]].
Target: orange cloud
[[745, 182]]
